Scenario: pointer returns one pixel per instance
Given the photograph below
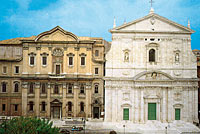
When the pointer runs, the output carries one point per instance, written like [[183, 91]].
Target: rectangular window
[[70, 88], [57, 69], [96, 53], [43, 106], [177, 114], [32, 60], [4, 69], [4, 87], [3, 107], [70, 61], [126, 114], [31, 88], [82, 61], [16, 108], [96, 70], [44, 61], [16, 69], [56, 89], [82, 89]]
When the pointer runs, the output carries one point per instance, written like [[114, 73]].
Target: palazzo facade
[[151, 72], [60, 76]]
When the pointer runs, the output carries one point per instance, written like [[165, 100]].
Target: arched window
[[4, 87], [43, 106], [69, 106], [82, 107], [152, 55], [30, 106], [96, 89], [126, 56], [16, 87]]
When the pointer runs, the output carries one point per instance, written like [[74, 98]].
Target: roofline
[[150, 15]]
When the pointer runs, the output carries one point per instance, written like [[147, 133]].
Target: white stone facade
[[134, 80]]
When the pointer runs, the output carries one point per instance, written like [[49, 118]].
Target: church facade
[[60, 75], [151, 72]]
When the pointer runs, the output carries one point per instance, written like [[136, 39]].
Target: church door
[[96, 112], [151, 111], [126, 114], [177, 114], [56, 112]]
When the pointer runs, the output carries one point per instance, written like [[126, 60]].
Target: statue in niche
[[176, 57], [126, 56]]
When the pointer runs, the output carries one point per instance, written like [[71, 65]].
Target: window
[[69, 106], [82, 89], [4, 69], [126, 56], [32, 60], [43, 88], [70, 88], [96, 89], [31, 88], [96, 53], [3, 107], [82, 61], [82, 107], [44, 60], [152, 55], [57, 69], [4, 86], [56, 89], [30, 106], [43, 106], [96, 70], [70, 61], [16, 69], [16, 87], [15, 107]]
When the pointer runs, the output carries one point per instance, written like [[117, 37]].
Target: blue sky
[[24, 18]]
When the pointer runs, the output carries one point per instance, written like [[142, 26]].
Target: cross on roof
[[151, 2]]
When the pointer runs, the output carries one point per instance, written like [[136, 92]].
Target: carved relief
[[57, 52], [152, 20]]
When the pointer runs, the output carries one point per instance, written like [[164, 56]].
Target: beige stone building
[[61, 75]]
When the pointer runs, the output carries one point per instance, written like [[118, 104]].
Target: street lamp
[[124, 128]]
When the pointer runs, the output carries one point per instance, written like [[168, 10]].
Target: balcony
[[82, 95], [68, 95], [56, 75]]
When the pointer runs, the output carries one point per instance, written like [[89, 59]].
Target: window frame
[[16, 83], [44, 65], [72, 61], [152, 55], [4, 87], [6, 68], [43, 106], [95, 89], [82, 107], [82, 88], [31, 106], [69, 107], [96, 71], [16, 107], [96, 53], [3, 107], [16, 69], [31, 88], [70, 85], [56, 89]]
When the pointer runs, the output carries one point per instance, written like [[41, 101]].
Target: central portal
[[151, 111], [96, 112], [56, 111]]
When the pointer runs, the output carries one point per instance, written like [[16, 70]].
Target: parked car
[[64, 131], [74, 128]]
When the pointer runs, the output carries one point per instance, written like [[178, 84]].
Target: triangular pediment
[[152, 76], [152, 23], [56, 34]]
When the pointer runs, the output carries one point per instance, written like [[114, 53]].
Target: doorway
[[96, 112], [151, 111], [56, 112]]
